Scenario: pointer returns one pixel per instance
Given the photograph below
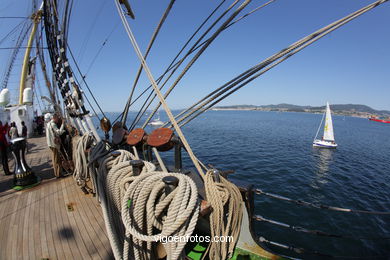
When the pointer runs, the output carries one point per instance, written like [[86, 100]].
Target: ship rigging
[[142, 198]]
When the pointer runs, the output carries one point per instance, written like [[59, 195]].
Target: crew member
[[4, 147], [53, 134]]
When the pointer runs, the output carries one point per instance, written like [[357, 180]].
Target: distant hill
[[342, 109]]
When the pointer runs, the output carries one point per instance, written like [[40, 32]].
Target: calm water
[[274, 152]]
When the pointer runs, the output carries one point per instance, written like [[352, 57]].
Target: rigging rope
[[12, 59], [13, 17], [89, 102], [174, 65], [195, 47], [85, 82], [300, 250], [100, 49], [41, 58], [12, 31], [314, 232], [287, 52], [171, 66], [204, 47], [319, 206], [225, 219], [90, 32], [155, 33], [156, 88]]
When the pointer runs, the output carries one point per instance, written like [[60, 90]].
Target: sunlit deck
[[53, 220]]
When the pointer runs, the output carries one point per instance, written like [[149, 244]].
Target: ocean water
[[274, 152]]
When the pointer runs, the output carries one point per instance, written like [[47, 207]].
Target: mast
[[36, 17]]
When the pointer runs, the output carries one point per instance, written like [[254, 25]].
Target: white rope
[[135, 153], [113, 226], [160, 161], [175, 214], [225, 219], [158, 93], [81, 172]]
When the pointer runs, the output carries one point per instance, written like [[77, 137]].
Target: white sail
[[328, 128]]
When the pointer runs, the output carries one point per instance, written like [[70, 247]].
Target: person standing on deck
[[13, 131], [53, 134], [24, 130], [24, 134], [4, 147]]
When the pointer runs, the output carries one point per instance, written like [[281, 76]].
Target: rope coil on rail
[[81, 172], [175, 213], [112, 221], [145, 207]]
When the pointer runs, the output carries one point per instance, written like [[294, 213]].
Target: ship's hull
[[379, 120], [324, 144]]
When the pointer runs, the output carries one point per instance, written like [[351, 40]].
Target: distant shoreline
[[352, 110], [315, 113]]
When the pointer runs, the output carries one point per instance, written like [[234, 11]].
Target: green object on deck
[[19, 188], [239, 254], [197, 252], [128, 204]]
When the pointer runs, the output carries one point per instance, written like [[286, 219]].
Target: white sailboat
[[156, 121], [327, 140]]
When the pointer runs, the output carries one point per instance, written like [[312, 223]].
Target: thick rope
[[156, 89], [225, 219], [199, 53], [106, 164], [287, 52], [81, 172], [155, 33], [145, 207]]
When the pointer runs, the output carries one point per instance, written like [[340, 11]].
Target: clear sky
[[351, 65]]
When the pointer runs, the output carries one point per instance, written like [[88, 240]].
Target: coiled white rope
[[81, 172], [108, 165], [145, 208]]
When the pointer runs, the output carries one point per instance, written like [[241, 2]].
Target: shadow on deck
[[53, 220]]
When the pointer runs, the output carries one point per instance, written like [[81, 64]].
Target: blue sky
[[351, 65]]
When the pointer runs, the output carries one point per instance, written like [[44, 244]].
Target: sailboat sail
[[328, 129]]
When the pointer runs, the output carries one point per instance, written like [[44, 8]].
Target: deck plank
[[20, 213], [84, 229], [72, 220], [5, 223], [62, 232], [42, 224], [35, 223], [35, 243], [98, 225], [13, 232], [26, 224], [70, 234], [55, 223], [91, 222]]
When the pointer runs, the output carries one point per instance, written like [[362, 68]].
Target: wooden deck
[[37, 224]]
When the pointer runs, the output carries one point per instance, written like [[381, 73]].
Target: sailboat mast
[[36, 17]]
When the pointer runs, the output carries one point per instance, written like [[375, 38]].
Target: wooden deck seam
[[35, 224]]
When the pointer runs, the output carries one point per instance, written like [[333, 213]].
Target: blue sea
[[273, 151]]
